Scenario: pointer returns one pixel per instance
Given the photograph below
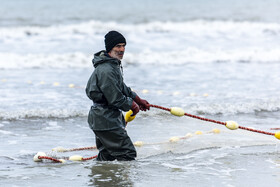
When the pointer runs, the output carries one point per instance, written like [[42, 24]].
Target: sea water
[[215, 59]]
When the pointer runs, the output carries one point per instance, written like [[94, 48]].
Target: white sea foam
[[6, 132], [269, 105], [195, 55], [199, 41], [42, 113], [12, 142], [52, 125], [190, 55], [68, 60], [98, 28], [26, 152]]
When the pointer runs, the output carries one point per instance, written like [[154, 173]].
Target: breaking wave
[[272, 105], [172, 43]]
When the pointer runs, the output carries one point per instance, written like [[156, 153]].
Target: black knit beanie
[[113, 38]]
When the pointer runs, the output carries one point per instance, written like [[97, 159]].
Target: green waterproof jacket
[[109, 94]]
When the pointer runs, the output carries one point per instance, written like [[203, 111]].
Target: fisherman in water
[[110, 97]]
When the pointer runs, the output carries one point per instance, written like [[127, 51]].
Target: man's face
[[118, 51]]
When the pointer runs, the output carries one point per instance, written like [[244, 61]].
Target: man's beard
[[120, 54]]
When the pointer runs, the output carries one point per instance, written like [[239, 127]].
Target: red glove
[[143, 104], [134, 108]]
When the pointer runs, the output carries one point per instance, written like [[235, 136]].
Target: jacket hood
[[102, 57]]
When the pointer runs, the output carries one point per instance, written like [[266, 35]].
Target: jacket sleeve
[[110, 84], [128, 92]]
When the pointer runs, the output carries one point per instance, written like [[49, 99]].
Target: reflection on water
[[111, 174]]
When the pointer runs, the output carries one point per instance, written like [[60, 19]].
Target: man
[[110, 97]]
